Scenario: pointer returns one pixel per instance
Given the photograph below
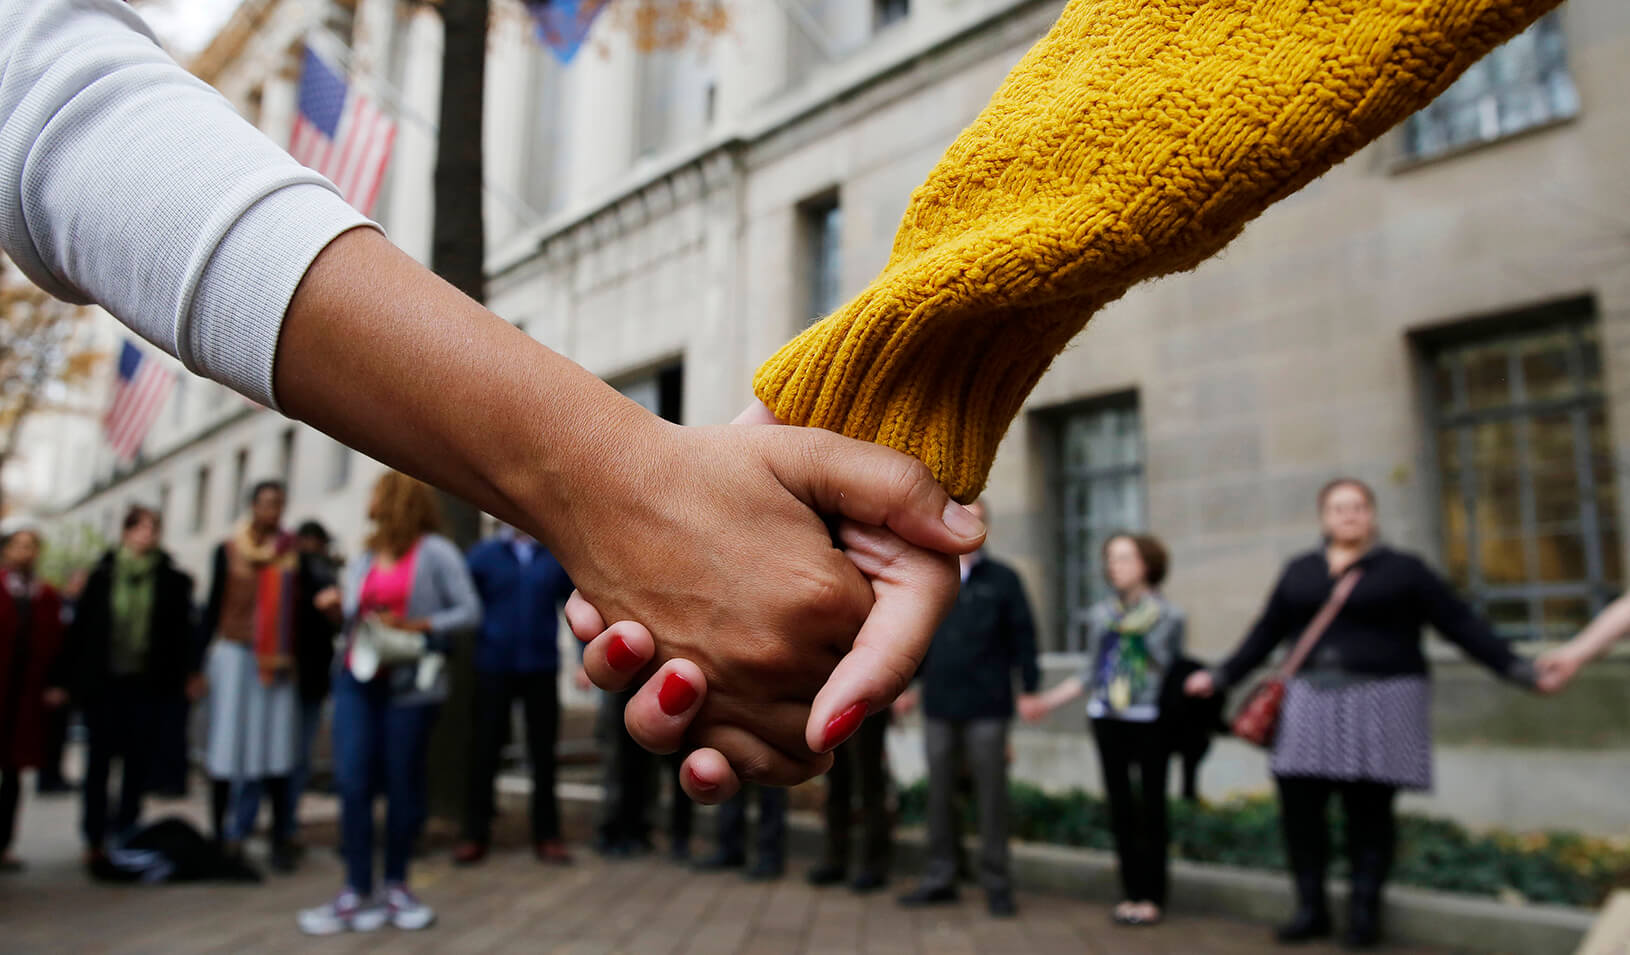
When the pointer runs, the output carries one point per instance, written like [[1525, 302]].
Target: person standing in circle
[[1356, 718]]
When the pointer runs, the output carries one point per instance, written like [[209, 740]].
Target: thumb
[[873, 485], [913, 588]]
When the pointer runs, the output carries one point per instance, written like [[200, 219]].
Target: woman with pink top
[[405, 597]]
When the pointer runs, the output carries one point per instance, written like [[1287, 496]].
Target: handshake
[[765, 645]]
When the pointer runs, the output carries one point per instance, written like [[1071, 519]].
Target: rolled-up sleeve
[[128, 182]]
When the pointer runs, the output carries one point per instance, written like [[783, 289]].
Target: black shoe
[[764, 872], [719, 861], [825, 874], [925, 895], [1305, 926], [868, 882], [285, 857], [1001, 905]]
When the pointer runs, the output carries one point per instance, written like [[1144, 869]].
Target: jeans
[[123, 723], [285, 791], [1137, 817], [379, 748], [495, 696], [984, 743]]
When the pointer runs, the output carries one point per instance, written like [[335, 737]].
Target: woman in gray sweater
[[409, 583], [1133, 638]]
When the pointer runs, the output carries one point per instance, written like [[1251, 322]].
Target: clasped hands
[[766, 644]]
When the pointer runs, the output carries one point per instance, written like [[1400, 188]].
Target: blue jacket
[[520, 601]]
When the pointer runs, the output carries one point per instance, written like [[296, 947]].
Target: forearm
[[1608, 628], [1107, 158], [391, 360], [1070, 689]]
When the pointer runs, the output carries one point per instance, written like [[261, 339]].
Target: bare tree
[[41, 355]]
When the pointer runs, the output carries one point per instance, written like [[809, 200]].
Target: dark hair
[[1150, 550], [1341, 482], [313, 529], [139, 513], [270, 484], [30, 530]]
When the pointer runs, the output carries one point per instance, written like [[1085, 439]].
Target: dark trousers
[[1137, 812], [122, 723], [983, 743], [860, 760], [1371, 835], [379, 747], [681, 810], [630, 776], [11, 793], [495, 696], [772, 826], [56, 742]]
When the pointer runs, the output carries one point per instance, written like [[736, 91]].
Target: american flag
[[138, 396], [341, 133]]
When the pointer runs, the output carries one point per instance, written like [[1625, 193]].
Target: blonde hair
[[404, 509]]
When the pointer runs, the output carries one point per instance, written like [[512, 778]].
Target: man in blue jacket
[[521, 586]]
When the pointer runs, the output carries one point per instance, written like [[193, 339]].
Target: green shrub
[[1559, 867]]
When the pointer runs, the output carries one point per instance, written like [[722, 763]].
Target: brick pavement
[[512, 904]]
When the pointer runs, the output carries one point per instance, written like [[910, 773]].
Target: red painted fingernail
[[676, 695], [621, 656], [842, 726], [698, 783]]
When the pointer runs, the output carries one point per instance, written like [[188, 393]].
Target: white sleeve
[[127, 181]]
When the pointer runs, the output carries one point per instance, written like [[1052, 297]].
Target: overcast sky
[[186, 26]]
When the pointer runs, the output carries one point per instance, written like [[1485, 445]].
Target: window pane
[[1099, 490], [1510, 618], [1563, 617], [1488, 377], [1555, 478], [1545, 367], [1561, 557]]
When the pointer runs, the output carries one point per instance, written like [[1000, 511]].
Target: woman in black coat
[[1356, 718]]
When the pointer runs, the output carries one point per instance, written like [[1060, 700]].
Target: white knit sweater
[[126, 181]]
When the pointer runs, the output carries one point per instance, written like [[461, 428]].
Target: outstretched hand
[[1556, 668]]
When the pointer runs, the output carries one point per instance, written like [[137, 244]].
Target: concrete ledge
[[1416, 916]]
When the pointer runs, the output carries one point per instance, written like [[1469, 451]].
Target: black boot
[[1364, 911], [1312, 918]]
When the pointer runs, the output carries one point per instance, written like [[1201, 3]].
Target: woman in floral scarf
[[1133, 638]]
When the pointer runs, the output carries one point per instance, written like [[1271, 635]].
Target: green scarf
[[132, 601]]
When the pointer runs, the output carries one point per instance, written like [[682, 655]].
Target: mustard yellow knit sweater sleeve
[[1136, 139]]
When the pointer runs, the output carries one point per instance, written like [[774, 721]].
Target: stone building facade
[[1447, 316]]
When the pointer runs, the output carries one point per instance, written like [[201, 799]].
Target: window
[[821, 222], [200, 498], [1522, 85], [1526, 474], [339, 467], [1096, 477], [886, 12], [240, 476], [285, 457], [661, 393]]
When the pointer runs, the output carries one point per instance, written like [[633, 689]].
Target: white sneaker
[[349, 912], [406, 911]]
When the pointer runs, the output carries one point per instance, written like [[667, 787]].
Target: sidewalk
[[513, 904]]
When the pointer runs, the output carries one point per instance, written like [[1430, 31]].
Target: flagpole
[[397, 101]]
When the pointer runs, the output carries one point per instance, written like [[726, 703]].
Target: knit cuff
[[244, 291], [1134, 140]]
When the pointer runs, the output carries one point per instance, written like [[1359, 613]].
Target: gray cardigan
[[443, 594], [1165, 645]]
